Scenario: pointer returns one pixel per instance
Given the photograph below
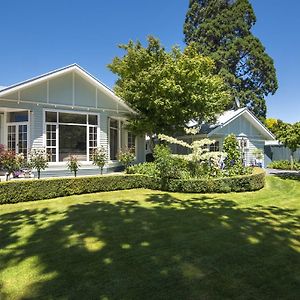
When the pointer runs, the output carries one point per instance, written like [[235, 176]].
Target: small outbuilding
[[249, 130]]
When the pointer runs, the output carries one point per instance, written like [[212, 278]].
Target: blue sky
[[39, 36]]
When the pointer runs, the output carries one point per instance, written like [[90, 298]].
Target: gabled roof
[[71, 68], [229, 116]]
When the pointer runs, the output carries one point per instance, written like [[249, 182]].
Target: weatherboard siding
[[67, 90]]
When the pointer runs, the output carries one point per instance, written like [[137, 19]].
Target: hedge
[[241, 183], [29, 190]]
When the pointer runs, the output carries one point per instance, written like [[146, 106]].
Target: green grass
[[143, 244]]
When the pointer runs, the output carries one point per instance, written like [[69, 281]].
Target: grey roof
[[206, 128]]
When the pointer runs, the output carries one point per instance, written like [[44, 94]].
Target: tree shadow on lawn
[[200, 248], [288, 175]]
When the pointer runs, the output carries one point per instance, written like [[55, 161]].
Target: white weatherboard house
[[69, 112], [250, 132]]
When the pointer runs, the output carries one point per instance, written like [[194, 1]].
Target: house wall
[[72, 93], [242, 127], [279, 152], [69, 90]]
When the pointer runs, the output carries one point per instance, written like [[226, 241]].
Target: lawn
[[143, 244]]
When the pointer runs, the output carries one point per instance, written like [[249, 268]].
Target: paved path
[[282, 172]]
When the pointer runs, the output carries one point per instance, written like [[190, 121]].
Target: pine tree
[[222, 30]]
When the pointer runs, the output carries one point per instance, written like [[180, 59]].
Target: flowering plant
[[73, 164], [38, 159], [99, 158]]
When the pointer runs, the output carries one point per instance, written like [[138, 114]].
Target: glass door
[[17, 138]]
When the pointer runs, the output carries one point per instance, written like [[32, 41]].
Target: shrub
[[240, 183], [73, 164], [38, 159], [284, 165], [168, 165], [233, 161], [126, 157], [29, 190], [148, 168], [99, 158], [10, 161]]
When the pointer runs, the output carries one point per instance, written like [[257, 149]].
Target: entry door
[[17, 138]]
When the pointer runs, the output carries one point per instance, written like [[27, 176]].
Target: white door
[[17, 137]]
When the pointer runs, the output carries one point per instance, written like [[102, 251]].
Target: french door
[[17, 138]]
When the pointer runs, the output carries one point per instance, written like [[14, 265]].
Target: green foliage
[[284, 165], [168, 165], [233, 162], [73, 164], [10, 161], [168, 89], [126, 157], [222, 31], [289, 136], [148, 168], [238, 183], [29, 190], [38, 159], [273, 125], [99, 158], [201, 162]]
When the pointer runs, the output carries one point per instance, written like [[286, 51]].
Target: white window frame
[[57, 123]]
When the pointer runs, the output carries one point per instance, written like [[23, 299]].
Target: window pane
[[114, 123], [72, 118], [51, 116], [72, 141], [19, 116], [113, 143], [131, 140], [93, 120]]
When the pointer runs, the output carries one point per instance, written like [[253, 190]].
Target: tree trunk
[[292, 160], [39, 174]]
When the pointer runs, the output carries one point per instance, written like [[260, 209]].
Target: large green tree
[[168, 89], [289, 136], [222, 30]]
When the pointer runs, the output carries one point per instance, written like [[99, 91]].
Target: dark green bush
[[240, 183], [29, 190], [168, 165], [148, 168], [283, 165]]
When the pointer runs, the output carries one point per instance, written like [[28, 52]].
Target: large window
[[70, 134], [114, 138]]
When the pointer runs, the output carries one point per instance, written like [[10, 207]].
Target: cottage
[[250, 132], [69, 112]]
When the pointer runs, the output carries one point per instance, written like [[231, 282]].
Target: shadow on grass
[[200, 248], [288, 175]]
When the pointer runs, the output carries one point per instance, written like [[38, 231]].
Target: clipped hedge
[[284, 165], [29, 190], [241, 183]]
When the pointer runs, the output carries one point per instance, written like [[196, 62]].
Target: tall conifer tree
[[222, 30]]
